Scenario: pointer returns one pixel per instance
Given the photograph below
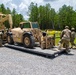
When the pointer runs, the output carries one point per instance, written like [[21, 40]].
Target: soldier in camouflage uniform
[[72, 37], [65, 39]]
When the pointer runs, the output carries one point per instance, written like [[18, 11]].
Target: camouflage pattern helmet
[[67, 27], [72, 28]]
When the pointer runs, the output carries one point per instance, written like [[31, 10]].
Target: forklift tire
[[10, 39], [28, 41]]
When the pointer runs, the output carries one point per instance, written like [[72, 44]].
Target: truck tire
[[10, 39], [28, 41], [0, 43]]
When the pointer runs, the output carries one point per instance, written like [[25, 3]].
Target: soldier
[[72, 37], [65, 39]]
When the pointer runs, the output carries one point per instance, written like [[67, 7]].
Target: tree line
[[16, 18], [48, 18]]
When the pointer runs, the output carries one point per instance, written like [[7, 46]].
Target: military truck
[[3, 30], [28, 34]]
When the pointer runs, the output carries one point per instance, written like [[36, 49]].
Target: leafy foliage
[[48, 18], [17, 18]]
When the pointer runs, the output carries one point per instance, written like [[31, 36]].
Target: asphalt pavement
[[15, 62]]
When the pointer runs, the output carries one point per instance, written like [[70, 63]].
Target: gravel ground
[[14, 62]]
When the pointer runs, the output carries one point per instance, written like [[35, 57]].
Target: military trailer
[[28, 34]]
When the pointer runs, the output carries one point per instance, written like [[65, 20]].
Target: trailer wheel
[[10, 39], [28, 41]]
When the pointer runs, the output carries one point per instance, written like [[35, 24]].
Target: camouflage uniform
[[47, 41], [72, 37], [65, 38]]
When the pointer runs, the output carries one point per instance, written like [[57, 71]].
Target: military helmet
[[66, 27], [72, 28]]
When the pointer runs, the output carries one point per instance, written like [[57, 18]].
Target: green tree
[[33, 9], [2, 9], [49, 19], [17, 18], [74, 19], [65, 16], [8, 11], [52, 18], [45, 15], [14, 17]]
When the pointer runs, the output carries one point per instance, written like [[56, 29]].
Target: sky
[[21, 6]]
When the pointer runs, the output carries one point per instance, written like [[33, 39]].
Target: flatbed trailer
[[49, 53]]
